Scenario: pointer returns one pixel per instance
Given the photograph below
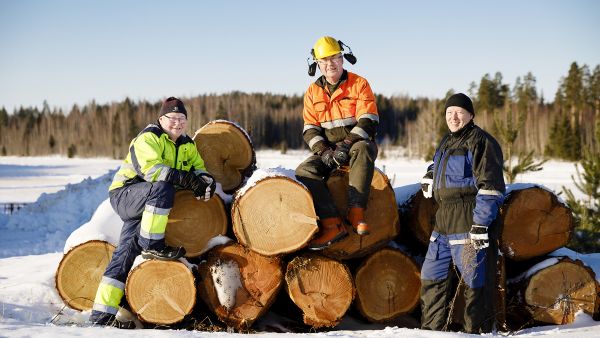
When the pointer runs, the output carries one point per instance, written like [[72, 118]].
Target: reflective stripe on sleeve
[[315, 140], [360, 132], [490, 192], [370, 116], [339, 123], [310, 126]]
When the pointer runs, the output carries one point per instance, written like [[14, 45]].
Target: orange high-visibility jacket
[[348, 113]]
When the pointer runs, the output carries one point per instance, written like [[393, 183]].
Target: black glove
[[327, 158], [341, 153], [184, 179], [479, 236], [206, 189]]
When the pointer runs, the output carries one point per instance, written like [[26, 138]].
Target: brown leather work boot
[[356, 217], [331, 231]]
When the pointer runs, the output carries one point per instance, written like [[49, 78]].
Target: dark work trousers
[[313, 173], [477, 270], [129, 203]]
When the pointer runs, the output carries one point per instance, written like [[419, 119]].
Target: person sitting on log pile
[[340, 122], [161, 159], [467, 182]]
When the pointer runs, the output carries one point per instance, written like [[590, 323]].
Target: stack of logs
[[272, 217]]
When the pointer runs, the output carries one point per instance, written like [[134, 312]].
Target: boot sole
[[334, 240], [151, 256]]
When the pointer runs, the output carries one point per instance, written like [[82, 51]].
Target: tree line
[[566, 128]]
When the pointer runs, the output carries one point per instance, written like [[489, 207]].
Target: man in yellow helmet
[[340, 122], [161, 159]]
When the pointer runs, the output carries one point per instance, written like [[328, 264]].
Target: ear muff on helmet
[[348, 56], [312, 67]]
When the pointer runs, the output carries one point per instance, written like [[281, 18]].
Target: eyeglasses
[[333, 59], [173, 119]]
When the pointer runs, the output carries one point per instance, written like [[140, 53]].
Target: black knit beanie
[[460, 100], [172, 105]]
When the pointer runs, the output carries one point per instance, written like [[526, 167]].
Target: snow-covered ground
[[64, 193]]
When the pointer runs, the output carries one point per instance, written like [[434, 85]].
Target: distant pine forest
[[566, 126]]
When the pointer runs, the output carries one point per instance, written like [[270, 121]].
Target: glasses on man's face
[[333, 59], [174, 119]]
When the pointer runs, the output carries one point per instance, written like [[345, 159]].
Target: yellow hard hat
[[326, 46]]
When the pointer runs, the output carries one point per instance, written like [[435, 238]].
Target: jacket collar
[[322, 82]]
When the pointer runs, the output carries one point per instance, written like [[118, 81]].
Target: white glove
[[427, 187], [479, 236]]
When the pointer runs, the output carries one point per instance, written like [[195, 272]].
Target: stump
[[321, 287], [80, 271], [418, 217], [556, 292], [161, 292], [274, 216], [227, 153], [239, 285], [534, 223], [387, 285], [381, 215], [192, 223]]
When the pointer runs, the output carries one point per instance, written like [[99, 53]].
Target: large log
[[80, 271], [161, 292], [273, 215], [321, 287], [192, 223], [227, 152], [554, 290], [238, 284], [534, 223], [387, 285], [418, 217], [381, 215]]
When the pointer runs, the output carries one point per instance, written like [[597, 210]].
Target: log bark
[[418, 217], [381, 214], [80, 271], [227, 152], [321, 287], [387, 285], [161, 292], [239, 285], [534, 223], [192, 223], [274, 216], [556, 292]]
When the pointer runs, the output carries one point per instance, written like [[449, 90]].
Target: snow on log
[[80, 271], [192, 223], [381, 215], [273, 214], [321, 287], [534, 222], [104, 225], [238, 284], [387, 285], [227, 152], [161, 292], [554, 290]]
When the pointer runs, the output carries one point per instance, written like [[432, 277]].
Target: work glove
[[327, 158], [341, 153], [479, 236], [184, 179], [427, 185], [205, 187]]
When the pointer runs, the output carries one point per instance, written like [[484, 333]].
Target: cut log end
[[161, 292], [227, 152], [387, 285], [534, 223], [80, 271], [192, 223], [381, 214], [275, 216], [321, 287]]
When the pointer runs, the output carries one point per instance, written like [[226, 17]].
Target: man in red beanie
[[161, 159]]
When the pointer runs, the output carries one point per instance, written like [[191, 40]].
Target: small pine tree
[[587, 212], [71, 151]]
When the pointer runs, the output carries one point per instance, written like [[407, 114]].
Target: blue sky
[[72, 51]]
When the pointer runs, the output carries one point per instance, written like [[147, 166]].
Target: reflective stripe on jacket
[[349, 112], [468, 180], [152, 154]]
